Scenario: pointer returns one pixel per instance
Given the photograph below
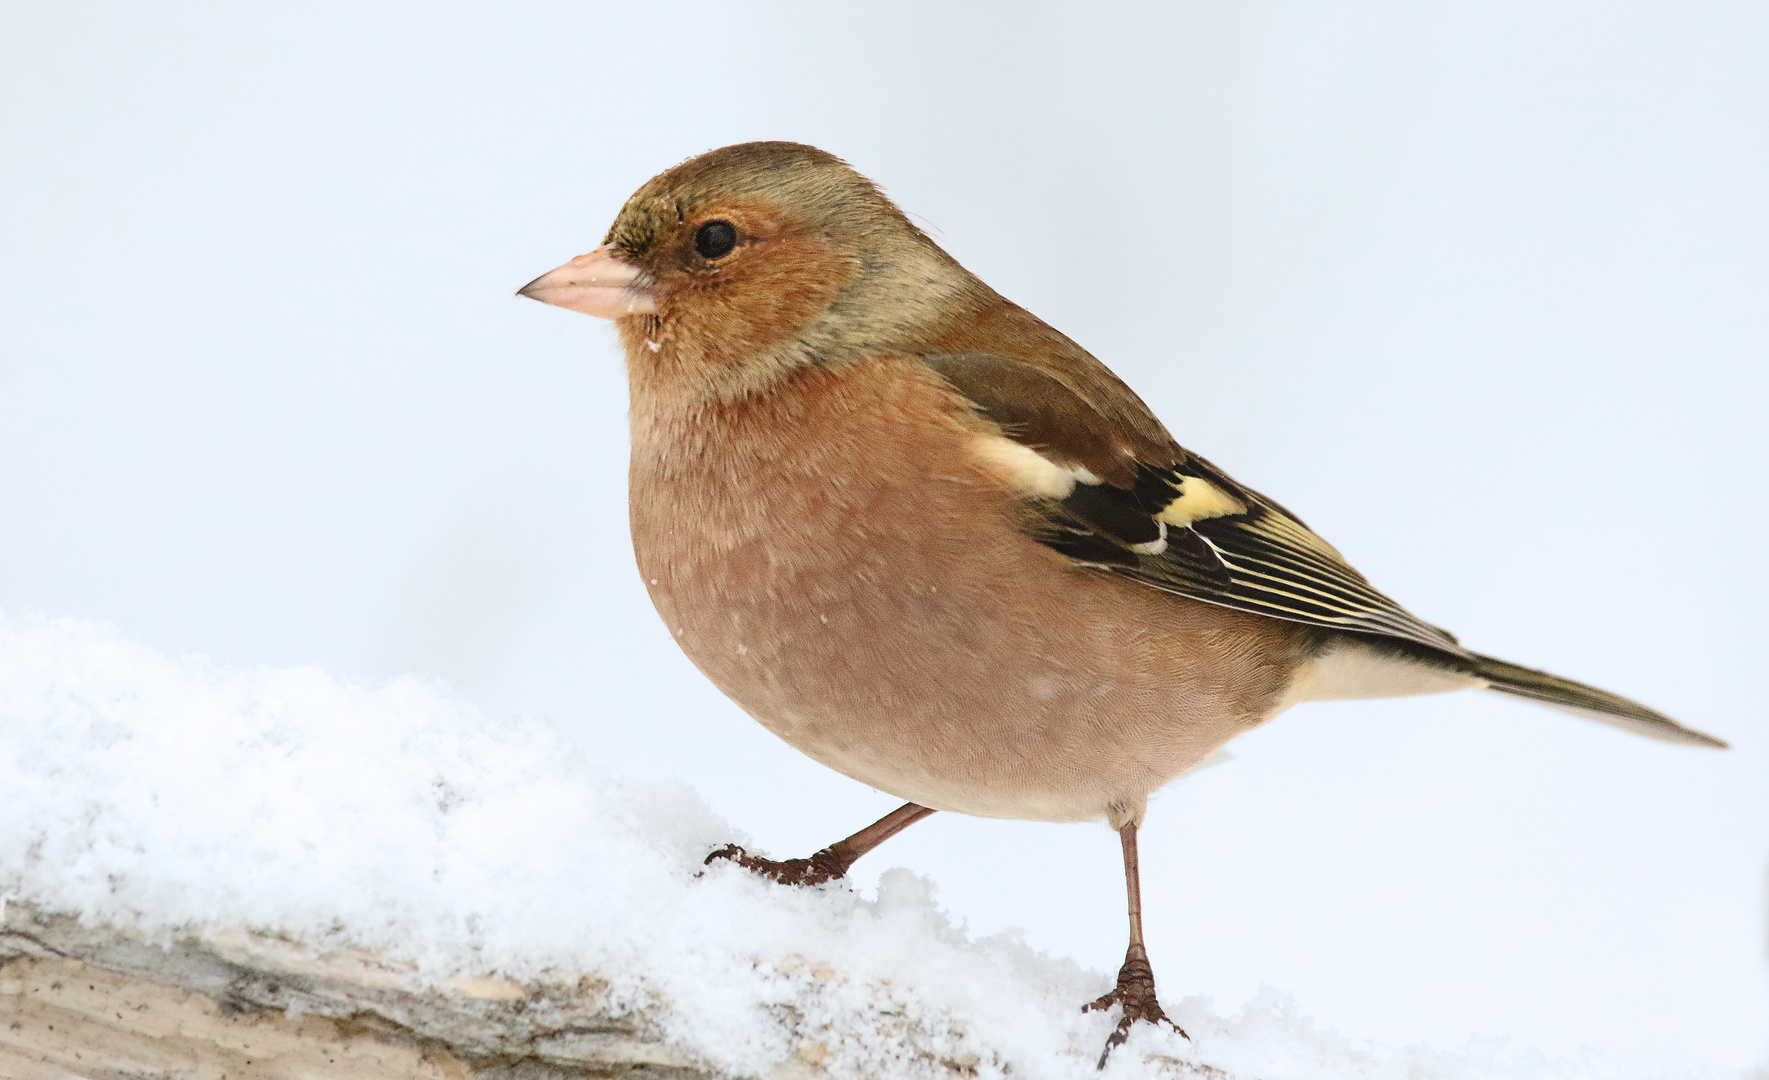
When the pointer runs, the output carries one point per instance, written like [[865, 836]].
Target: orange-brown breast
[[835, 558]]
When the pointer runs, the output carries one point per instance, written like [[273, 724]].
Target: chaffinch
[[931, 542]]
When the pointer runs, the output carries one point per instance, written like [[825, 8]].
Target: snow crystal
[[169, 794]]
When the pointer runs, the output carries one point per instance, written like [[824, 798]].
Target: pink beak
[[596, 284]]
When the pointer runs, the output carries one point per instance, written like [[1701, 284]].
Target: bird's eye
[[715, 239]]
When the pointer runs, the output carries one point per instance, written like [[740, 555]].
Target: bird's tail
[[1587, 701]]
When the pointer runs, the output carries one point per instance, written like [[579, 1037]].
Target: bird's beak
[[599, 283]]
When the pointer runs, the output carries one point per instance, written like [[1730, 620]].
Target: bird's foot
[[826, 865], [1135, 994]]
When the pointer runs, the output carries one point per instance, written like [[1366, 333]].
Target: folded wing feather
[[1128, 499]]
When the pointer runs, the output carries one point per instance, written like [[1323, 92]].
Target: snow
[[166, 793]]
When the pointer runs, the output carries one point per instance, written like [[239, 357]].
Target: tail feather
[[1587, 701]]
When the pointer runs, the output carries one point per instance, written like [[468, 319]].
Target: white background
[[1479, 289]]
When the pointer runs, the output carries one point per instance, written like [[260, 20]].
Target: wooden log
[[109, 1004]]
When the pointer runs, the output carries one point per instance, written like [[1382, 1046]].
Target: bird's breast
[[782, 538]]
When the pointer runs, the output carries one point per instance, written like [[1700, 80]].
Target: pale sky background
[[1481, 290]]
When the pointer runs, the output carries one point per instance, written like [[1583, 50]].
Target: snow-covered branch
[[276, 872]]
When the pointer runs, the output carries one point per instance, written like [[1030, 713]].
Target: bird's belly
[[1019, 687], [993, 705]]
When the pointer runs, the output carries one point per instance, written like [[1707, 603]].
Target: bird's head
[[745, 263]]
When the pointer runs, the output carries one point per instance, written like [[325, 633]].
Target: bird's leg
[[833, 861], [1135, 991]]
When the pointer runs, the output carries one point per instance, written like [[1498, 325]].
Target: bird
[[937, 546]]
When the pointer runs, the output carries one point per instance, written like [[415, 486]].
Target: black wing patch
[[1244, 551], [1177, 523]]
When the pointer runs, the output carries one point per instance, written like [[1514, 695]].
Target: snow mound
[[164, 794]]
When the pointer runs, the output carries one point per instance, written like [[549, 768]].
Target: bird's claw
[[1135, 994], [821, 867]]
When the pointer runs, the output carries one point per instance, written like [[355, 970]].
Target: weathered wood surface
[[94, 1002]]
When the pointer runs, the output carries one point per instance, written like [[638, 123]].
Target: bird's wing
[[1121, 494]]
